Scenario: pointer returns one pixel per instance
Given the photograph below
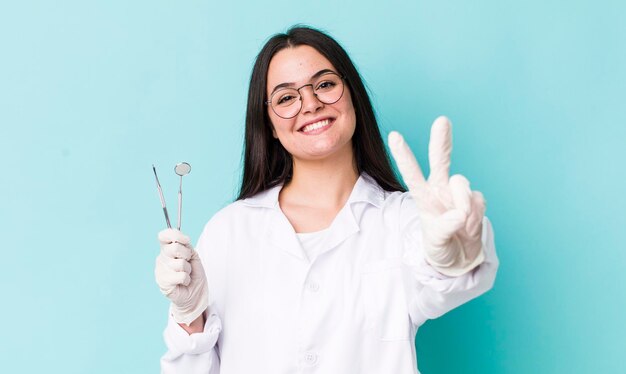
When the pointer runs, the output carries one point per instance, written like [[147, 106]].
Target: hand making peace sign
[[451, 214]]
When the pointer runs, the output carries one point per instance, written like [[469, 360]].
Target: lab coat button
[[310, 358], [314, 287]]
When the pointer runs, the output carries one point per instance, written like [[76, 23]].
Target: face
[[319, 130]]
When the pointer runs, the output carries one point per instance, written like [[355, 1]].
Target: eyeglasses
[[287, 102]]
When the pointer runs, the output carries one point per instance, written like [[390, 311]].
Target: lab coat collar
[[345, 224], [365, 190]]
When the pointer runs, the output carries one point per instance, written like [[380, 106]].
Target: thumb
[[197, 270]]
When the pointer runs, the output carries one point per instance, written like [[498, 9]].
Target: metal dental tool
[[181, 169], [167, 218]]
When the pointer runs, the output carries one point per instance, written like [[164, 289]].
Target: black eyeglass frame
[[343, 89]]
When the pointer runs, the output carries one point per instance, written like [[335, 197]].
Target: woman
[[324, 263]]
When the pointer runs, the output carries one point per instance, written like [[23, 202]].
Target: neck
[[322, 183]]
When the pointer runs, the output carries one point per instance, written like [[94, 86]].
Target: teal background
[[93, 93]]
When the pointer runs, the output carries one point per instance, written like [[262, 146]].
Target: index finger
[[407, 164], [439, 150], [167, 236]]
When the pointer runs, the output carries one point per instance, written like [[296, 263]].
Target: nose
[[312, 103]]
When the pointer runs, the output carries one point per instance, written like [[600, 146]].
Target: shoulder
[[244, 213], [399, 208], [223, 229], [228, 216], [394, 207]]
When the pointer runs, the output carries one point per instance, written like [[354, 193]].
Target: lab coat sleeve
[[195, 353], [432, 294]]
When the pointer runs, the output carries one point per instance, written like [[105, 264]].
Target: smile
[[319, 125]]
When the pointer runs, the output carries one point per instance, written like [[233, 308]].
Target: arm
[[193, 326], [448, 240], [433, 293]]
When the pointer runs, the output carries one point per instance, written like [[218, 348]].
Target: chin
[[323, 152]]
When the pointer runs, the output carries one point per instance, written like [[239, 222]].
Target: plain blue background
[[93, 93]]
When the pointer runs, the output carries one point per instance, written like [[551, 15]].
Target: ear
[[274, 132]]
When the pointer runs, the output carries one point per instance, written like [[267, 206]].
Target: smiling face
[[319, 130]]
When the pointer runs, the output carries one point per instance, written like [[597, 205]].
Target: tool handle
[[180, 208], [167, 218]]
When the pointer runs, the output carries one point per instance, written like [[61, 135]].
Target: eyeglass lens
[[287, 102]]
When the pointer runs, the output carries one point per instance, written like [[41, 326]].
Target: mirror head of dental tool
[[182, 168]]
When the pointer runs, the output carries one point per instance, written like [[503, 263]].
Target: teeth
[[316, 125]]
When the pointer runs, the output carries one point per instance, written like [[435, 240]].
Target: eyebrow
[[291, 84]]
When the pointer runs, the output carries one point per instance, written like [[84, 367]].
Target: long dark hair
[[266, 162]]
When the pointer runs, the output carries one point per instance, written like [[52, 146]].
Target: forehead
[[296, 64]]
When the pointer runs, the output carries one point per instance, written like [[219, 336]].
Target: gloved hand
[[180, 276], [451, 214]]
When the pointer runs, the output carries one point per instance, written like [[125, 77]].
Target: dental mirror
[[181, 169]]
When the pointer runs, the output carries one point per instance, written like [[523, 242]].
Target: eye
[[326, 85], [286, 99]]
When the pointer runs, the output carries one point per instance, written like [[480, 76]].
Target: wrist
[[196, 326]]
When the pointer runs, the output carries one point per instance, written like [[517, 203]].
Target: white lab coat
[[354, 309]]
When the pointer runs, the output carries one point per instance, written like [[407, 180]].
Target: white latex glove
[[451, 214], [180, 276]]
